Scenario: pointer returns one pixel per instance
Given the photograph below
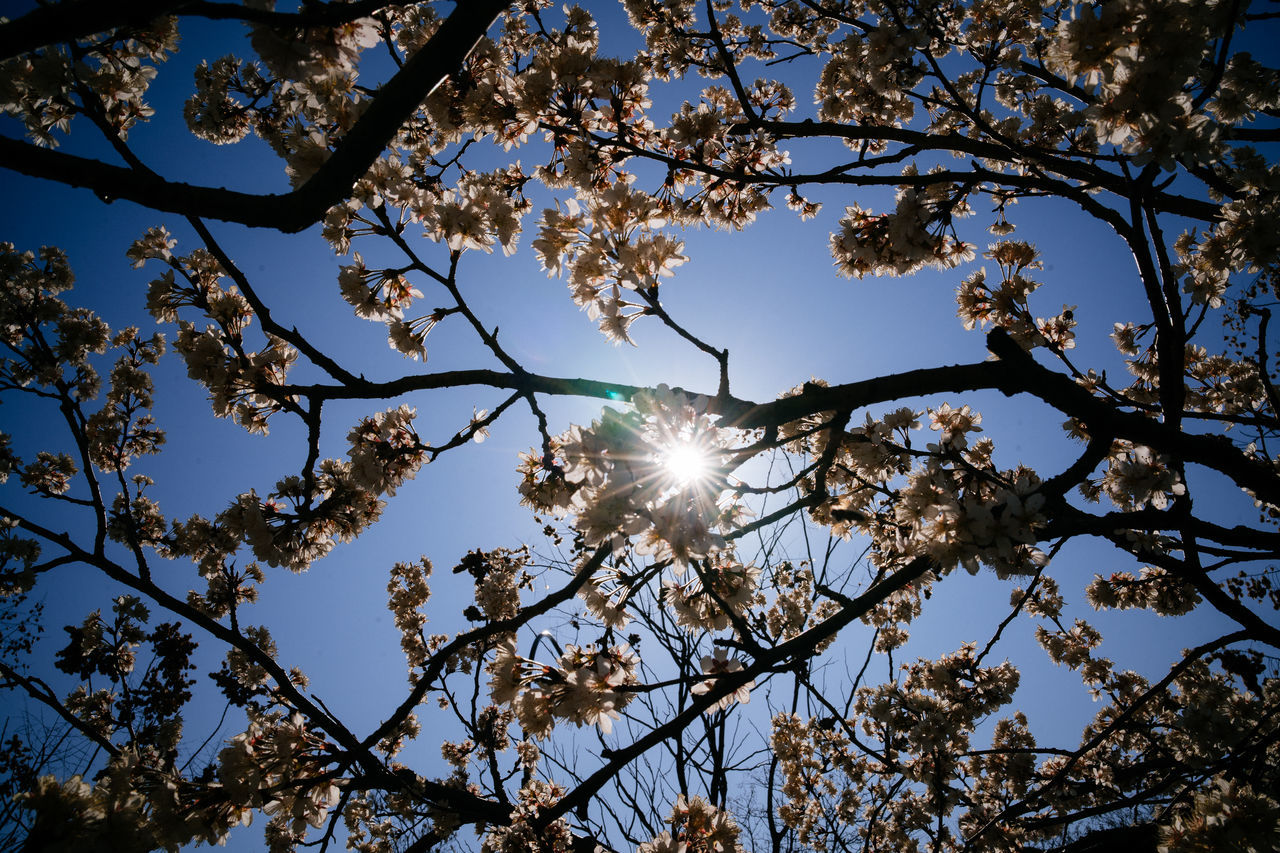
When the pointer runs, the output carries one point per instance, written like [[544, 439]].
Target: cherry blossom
[[732, 621]]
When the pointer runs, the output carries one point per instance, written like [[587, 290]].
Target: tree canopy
[[711, 644]]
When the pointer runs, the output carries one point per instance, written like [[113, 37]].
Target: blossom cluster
[[385, 450], [796, 605], [719, 590], [48, 341], [610, 247], [124, 429], [1137, 58], [904, 241], [274, 765], [1136, 476], [604, 596], [240, 381], [213, 113], [869, 77], [109, 79], [523, 833], [302, 518], [696, 827], [897, 760], [1153, 589], [1006, 306], [499, 576], [714, 667], [407, 592], [586, 687], [950, 504], [1226, 815]]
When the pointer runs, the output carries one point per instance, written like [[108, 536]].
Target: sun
[[686, 462]]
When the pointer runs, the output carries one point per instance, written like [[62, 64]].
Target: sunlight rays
[[686, 462]]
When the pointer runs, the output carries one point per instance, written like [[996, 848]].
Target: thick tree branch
[[290, 212], [74, 19], [1213, 451]]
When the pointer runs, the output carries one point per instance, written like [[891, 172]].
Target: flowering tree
[[723, 688]]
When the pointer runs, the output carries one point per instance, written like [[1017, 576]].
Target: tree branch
[[395, 102]]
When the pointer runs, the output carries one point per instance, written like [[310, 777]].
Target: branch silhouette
[[289, 212]]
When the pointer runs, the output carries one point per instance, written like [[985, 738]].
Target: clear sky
[[770, 295]]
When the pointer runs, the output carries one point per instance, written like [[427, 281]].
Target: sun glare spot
[[686, 463]]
